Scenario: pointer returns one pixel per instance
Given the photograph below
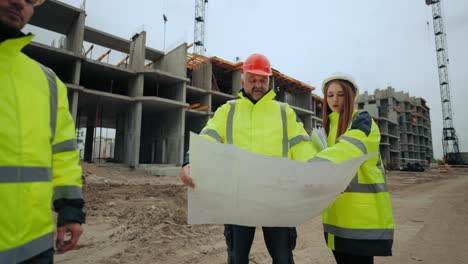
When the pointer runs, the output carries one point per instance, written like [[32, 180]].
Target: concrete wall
[[236, 81], [174, 61], [303, 100], [201, 76]]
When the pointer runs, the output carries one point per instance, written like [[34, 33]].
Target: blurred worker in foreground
[[359, 223], [39, 159], [258, 123]]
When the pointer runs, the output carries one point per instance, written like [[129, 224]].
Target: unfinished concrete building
[[404, 123], [152, 99]]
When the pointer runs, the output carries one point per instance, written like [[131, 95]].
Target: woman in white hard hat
[[358, 225]]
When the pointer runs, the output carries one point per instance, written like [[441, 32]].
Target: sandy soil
[[137, 218]]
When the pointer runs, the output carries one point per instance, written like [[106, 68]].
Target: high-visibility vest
[[39, 159], [360, 221], [267, 127]]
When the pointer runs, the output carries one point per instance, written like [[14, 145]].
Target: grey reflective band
[[319, 159], [67, 192], [356, 142], [356, 187], [376, 234], [298, 139], [285, 130], [230, 121], [379, 166], [53, 99], [25, 174], [212, 133], [64, 146], [28, 250]]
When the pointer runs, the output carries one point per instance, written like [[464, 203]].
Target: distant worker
[[39, 159], [259, 124], [359, 224]]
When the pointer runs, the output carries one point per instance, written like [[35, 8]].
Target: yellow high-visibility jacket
[[267, 127], [360, 221], [39, 159]]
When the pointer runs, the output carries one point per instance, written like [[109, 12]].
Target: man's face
[[16, 13], [255, 85]]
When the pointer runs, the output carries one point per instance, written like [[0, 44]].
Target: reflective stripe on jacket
[[267, 127], [39, 159], [360, 221]]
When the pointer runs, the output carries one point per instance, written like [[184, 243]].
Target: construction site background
[[134, 217], [140, 110]]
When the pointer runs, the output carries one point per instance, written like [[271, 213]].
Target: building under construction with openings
[[405, 126], [151, 98]]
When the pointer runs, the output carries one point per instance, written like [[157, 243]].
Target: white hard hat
[[341, 76]]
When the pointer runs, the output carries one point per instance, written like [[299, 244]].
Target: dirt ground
[[133, 217]]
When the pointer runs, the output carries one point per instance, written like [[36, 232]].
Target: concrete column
[[74, 43], [132, 132], [180, 156], [137, 51], [236, 81], [201, 76], [175, 137], [313, 106], [74, 106], [207, 76], [136, 86], [74, 40], [88, 155], [171, 144], [119, 153], [132, 135], [76, 74]]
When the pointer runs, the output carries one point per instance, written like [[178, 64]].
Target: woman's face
[[335, 97]]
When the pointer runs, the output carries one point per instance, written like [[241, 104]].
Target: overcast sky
[[380, 43]]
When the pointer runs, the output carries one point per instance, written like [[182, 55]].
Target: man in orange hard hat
[[257, 123], [39, 158]]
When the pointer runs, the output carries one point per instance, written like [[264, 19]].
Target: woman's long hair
[[348, 108]]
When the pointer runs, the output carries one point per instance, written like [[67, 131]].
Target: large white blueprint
[[234, 186]]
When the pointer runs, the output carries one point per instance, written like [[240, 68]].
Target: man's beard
[[7, 31]]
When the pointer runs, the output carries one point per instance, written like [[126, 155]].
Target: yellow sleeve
[[66, 171], [215, 128], [362, 138], [300, 145]]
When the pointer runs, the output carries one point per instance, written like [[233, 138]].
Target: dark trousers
[[280, 242], [46, 257], [343, 258]]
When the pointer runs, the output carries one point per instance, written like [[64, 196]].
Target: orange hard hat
[[257, 64]]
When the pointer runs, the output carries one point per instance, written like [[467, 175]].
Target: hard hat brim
[[341, 77], [259, 72]]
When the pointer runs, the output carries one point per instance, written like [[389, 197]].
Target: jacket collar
[[335, 116], [13, 46], [270, 95]]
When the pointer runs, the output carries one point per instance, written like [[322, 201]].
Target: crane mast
[[199, 34], [449, 138]]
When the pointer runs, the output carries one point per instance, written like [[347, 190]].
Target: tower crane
[[199, 34], [449, 137]]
